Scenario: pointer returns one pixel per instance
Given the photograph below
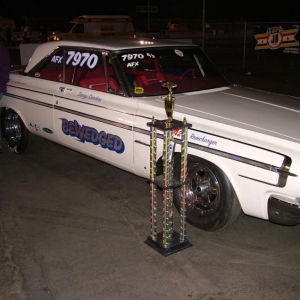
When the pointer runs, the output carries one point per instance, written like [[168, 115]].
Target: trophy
[[169, 101], [168, 241]]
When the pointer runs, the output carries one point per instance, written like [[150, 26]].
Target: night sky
[[251, 10], [215, 10]]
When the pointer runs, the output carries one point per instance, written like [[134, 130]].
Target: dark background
[[188, 10], [266, 70], [252, 10]]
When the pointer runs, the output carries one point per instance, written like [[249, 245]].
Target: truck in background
[[95, 26]]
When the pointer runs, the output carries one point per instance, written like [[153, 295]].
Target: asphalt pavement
[[73, 228]]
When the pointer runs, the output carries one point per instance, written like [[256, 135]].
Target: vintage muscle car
[[98, 97]]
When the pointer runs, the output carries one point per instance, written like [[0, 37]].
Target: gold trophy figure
[[169, 101]]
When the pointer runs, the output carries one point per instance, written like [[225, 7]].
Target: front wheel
[[211, 203], [15, 133]]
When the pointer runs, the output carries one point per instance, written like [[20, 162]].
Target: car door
[[89, 117], [37, 92]]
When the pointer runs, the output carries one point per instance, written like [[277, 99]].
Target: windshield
[[187, 67]]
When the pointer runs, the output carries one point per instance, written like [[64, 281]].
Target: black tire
[[15, 133], [211, 202]]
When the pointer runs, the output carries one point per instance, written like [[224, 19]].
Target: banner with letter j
[[283, 38]]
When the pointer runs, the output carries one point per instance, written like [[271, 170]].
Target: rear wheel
[[211, 203], [15, 133]]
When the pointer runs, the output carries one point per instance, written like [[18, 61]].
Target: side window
[[80, 67], [78, 28], [71, 65], [101, 78], [81, 64], [52, 70]]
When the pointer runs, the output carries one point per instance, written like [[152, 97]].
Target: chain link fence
[[231, 46]]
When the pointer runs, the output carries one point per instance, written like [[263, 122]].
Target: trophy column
[[168, 241]]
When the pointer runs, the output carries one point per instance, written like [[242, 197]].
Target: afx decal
[[77, 58], [91, 135]]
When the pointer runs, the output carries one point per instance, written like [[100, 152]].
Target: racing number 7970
[[82, 58]]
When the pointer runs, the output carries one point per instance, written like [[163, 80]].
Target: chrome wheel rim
[[203, 191]]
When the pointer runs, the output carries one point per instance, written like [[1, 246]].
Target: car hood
[[255, 110]]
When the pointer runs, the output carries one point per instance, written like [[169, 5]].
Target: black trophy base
[[175, 244]]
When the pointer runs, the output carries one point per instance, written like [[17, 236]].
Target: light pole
[[148, 15], [203, 23]]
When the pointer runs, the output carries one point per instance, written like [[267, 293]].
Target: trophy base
[[175, 245]]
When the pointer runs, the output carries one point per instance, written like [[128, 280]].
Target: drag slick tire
[[211, 202], [15, 133]]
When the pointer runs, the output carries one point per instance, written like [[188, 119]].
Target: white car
[[97, 97]]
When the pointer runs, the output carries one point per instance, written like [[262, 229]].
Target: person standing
[[43, 34], [4, 72], [26, 34]]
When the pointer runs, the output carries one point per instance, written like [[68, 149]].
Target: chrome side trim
[[36, 102], [141, 143], [92, 117], [283, 171]]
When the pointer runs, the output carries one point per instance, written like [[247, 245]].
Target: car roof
[[109, 43], [118, 43]]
